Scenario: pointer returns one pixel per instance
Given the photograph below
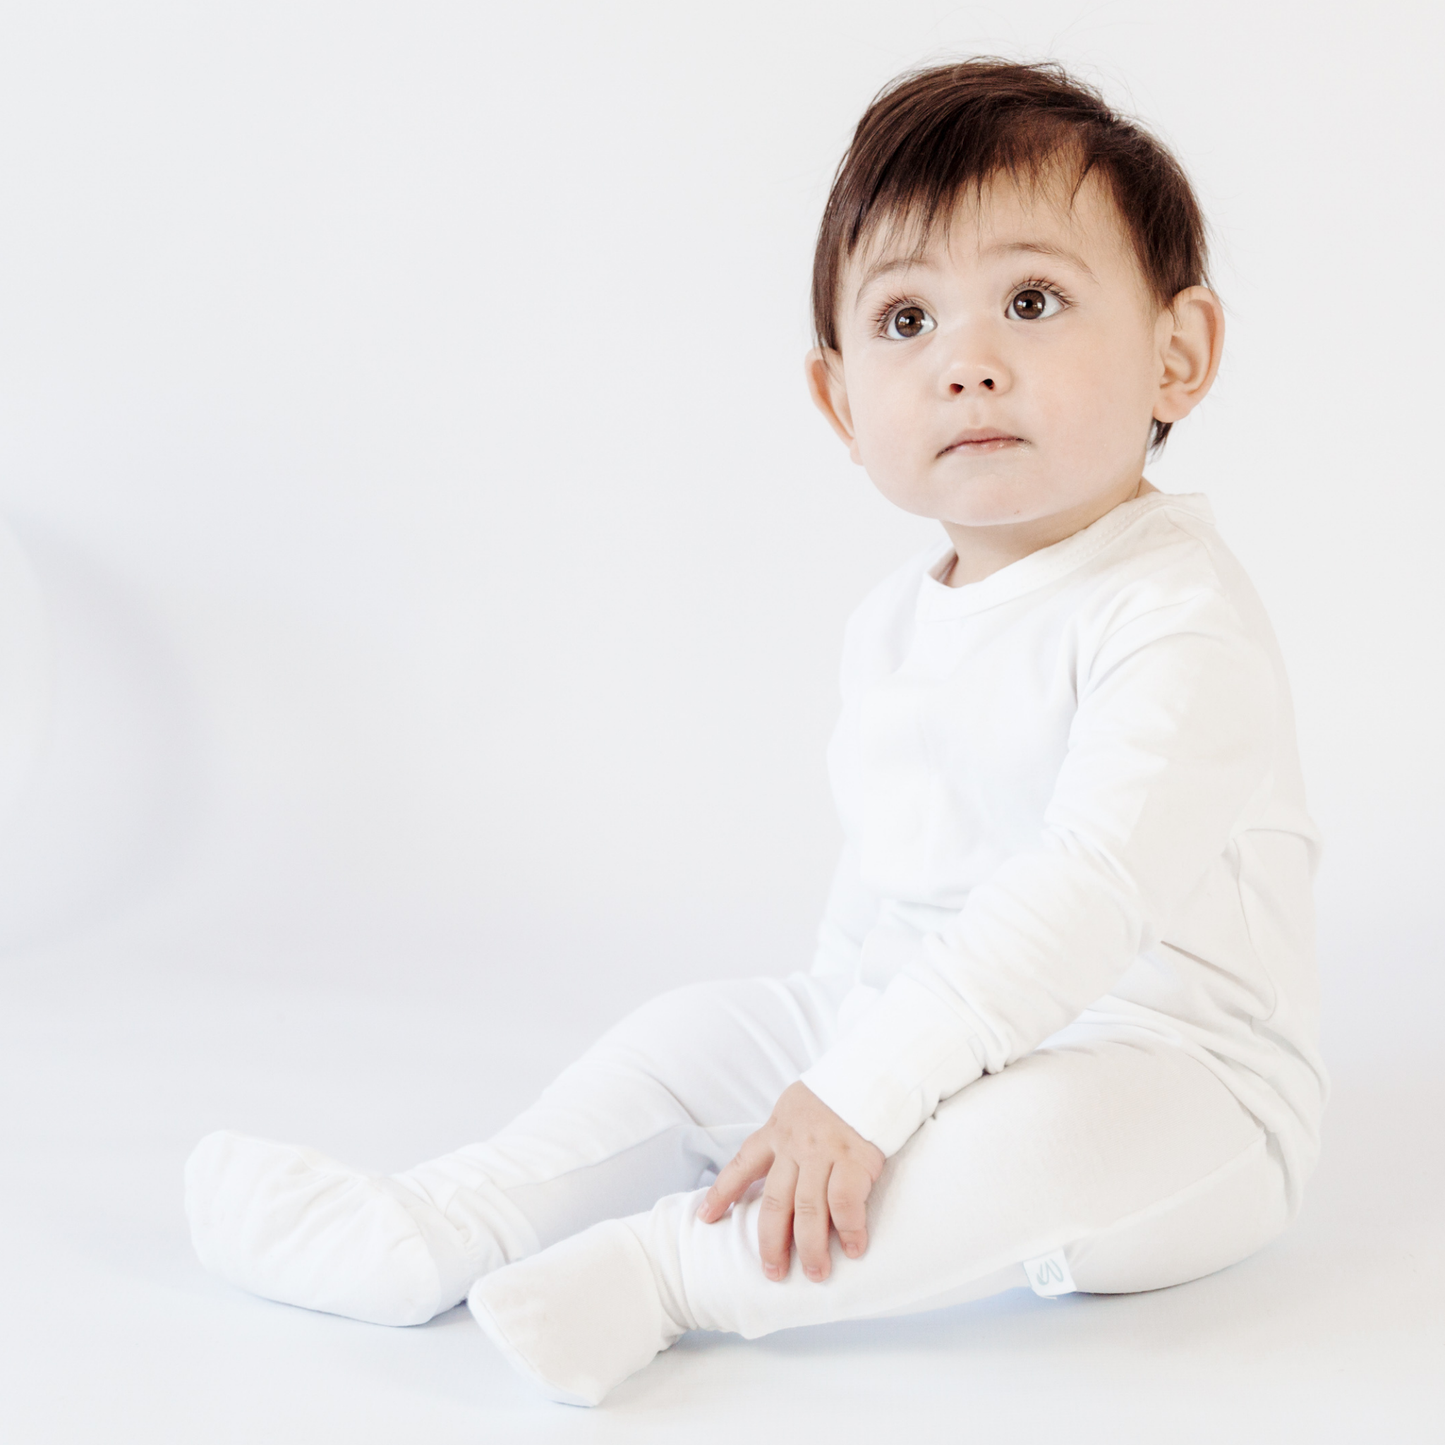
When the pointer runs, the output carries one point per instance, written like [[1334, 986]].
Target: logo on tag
[[1049, 1275]]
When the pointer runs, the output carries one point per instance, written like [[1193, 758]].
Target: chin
[[990, 492], [993, 504]]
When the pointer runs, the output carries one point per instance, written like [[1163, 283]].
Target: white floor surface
[[119, 1052]]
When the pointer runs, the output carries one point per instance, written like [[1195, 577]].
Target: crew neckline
[[938, 599]]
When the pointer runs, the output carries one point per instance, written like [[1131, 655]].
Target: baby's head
[[1009, 298]]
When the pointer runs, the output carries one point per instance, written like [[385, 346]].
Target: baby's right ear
[[823, 368]]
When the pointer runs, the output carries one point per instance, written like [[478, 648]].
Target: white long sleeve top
[[1072, 798]]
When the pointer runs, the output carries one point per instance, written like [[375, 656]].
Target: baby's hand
[[819, 1169]]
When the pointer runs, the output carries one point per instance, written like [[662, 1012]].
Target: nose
[[974, 364]]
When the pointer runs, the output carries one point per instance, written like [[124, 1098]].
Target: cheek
[[885, 408], [1095, 392]]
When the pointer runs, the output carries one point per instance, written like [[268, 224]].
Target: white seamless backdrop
[[401, 405]]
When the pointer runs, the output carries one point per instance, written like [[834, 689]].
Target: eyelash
[[1033, 283], [892, 304], [1038, 283]]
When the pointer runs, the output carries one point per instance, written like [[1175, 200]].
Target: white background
[[401, 405]]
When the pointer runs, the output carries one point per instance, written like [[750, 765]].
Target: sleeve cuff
[[887, 1074]]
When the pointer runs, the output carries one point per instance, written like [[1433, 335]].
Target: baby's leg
[[1131, 1158], [653, 1108]]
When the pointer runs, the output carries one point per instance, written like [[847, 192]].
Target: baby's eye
[[1033, 303], [906, 322]]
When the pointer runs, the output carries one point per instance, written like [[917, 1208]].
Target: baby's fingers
[[751, 1162], [810, 1221], [848, 1190], [775, 1217]]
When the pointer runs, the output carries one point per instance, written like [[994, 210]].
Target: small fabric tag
[[1049, 1275]]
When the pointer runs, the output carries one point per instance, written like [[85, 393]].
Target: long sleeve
[[1171, 747]]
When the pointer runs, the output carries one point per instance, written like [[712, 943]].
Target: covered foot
[[578, 1318], [292, 1225]]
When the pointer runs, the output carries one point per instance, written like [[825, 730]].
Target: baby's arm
[[1177, 730], [820, 1172]]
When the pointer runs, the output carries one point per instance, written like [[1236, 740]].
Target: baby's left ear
[[1190, 339]]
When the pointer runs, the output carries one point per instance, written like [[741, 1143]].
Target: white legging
[[1122, 1152], [1128, 1154]]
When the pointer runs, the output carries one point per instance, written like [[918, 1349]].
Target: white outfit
[[1064, 982]]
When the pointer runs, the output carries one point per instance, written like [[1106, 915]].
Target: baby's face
[[1010, 370]]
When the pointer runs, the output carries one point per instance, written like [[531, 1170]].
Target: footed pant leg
[[654, 1107], [1131, 1157], [657, 1105]]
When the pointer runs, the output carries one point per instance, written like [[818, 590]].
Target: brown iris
[[1030, 305], [910, 321]]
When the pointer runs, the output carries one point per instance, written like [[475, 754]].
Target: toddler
[[1060, 1027]]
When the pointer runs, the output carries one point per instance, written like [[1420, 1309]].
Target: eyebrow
[[1042, 248], [886, 265]]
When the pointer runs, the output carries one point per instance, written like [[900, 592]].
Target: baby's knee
[[679, 1014], [714, 1013]]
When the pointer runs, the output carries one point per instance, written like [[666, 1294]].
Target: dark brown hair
[[933, 134]]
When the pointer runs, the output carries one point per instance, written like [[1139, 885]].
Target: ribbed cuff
[[886, 1075]]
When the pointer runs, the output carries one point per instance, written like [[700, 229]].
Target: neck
[[979, 552]]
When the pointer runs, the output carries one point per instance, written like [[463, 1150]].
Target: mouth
[[980, 439]]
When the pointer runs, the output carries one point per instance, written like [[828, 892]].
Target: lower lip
[[985, 444]]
